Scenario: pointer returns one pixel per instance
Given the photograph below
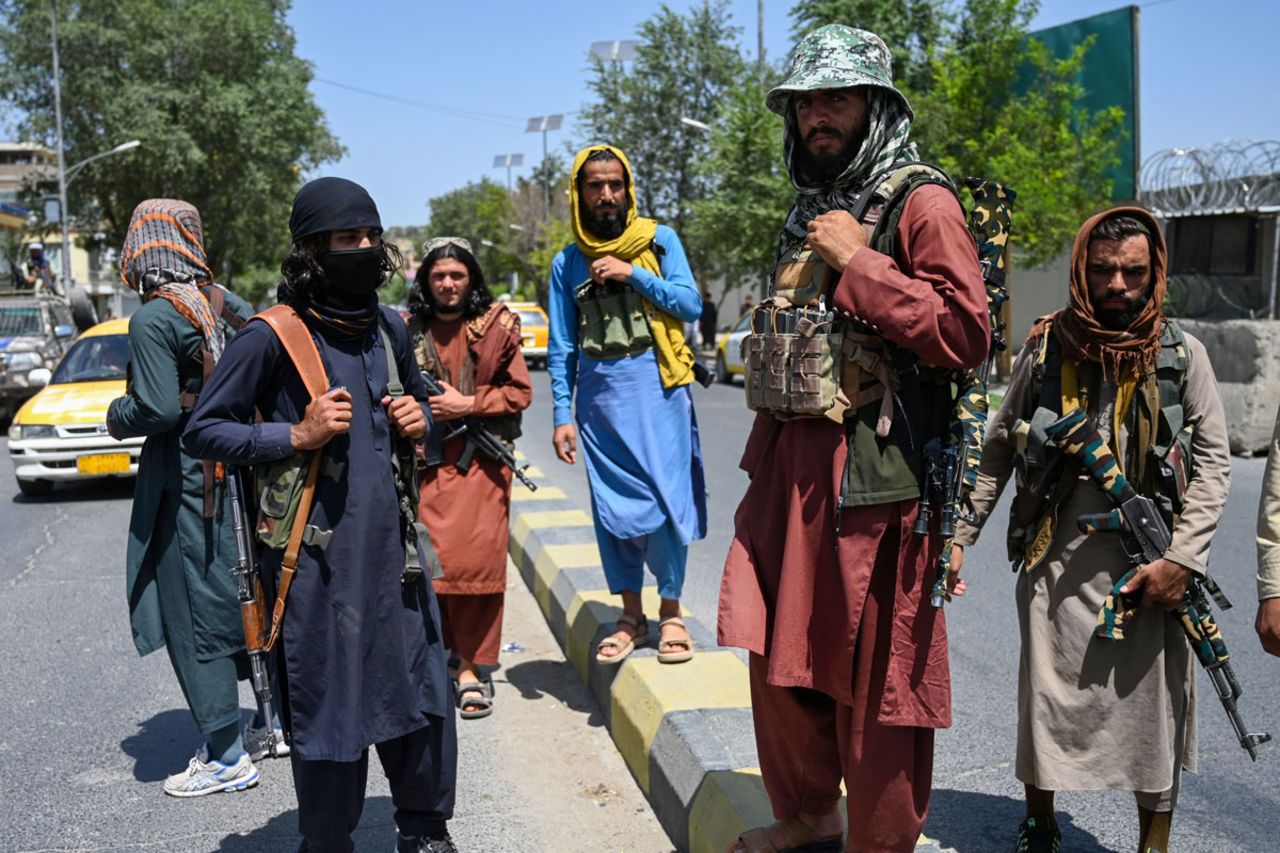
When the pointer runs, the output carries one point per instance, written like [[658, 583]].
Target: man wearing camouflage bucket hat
[[825, 583]]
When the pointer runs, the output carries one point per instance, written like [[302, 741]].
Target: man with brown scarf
[[1094, 713]]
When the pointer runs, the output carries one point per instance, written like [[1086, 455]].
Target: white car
[[61, 432], [729, 350]]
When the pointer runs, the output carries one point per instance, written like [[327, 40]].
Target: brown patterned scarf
[[1132, 351]]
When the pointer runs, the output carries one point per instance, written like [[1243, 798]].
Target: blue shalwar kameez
[[639, 440], [363, 658]]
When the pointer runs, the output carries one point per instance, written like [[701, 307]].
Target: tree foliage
[[990, 101], [735, 227], [214, 91], [685, 65]]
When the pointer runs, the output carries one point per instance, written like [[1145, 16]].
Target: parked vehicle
[[534, 329], [729, 350], [61, 433], [35, 330]]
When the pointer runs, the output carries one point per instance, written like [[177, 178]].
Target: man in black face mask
[[360, 652]]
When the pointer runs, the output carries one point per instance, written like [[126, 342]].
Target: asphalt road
[[1229, 805], [90, 730]]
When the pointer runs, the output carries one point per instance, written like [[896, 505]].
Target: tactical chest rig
[[804, 360], [1046, 477]]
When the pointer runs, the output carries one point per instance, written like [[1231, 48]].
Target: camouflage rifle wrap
[[1146, 539], [989, 222]]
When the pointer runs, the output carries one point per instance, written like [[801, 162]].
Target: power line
[[470, 115]]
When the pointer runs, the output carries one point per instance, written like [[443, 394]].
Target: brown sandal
[[757, 840], [684, 644], [640, 637]]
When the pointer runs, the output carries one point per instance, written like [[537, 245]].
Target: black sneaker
[[434, 843], [1038, 835]]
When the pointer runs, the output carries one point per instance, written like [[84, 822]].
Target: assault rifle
[[253, 609], [478, 438], [951, 466], [1146, 538]]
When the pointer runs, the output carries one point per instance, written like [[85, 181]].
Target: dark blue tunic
[[363, 655]]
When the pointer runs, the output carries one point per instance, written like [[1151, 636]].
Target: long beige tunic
[[1269, 522], [1092, 713]]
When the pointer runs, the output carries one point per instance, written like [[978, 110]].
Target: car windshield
[[531, 319], [744, 323], [18, 320], [93, 359]]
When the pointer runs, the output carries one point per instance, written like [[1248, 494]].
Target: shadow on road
[[970, 822], [106, 489], [162, 745], [280, 834], [556, 679]]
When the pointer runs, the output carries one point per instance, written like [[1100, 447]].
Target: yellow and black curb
[[684, 730]]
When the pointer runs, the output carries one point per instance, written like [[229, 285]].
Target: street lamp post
[[508, 161], [543, 124], [67, 175]]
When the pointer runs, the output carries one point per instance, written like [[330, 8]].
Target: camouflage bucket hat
[[836, 57]]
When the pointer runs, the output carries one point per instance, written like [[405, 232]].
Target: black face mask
[[353, 272]]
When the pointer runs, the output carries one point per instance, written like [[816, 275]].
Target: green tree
[[215, 93], [735, 228], [685, 65], [993, 102]]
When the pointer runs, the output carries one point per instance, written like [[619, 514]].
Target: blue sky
[[1207, 74]]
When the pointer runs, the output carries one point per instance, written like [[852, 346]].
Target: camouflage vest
[[808, 362], [1045, 477], [505, 427]]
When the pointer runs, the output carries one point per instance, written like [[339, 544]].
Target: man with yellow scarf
[[619, 297]]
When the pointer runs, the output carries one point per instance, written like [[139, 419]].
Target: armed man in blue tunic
[[620, 295], [363, 662]]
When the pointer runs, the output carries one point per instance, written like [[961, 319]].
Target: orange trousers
[[807, 742], [472, 625]]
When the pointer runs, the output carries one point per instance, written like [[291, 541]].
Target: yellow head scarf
[[635, 246]]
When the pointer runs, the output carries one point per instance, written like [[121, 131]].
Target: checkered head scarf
[[840, 57], [163, 256]]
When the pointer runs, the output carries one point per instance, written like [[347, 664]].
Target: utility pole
[[65, 284], [760, 39]]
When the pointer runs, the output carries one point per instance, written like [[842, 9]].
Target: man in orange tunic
[[825, 583], [471, 345]]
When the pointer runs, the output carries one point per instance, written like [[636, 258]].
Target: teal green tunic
[[179, 584]]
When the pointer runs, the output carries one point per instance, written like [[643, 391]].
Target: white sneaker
[[255, 741], [203, 776]]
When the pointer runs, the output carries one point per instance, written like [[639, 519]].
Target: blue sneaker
[[204, 776]]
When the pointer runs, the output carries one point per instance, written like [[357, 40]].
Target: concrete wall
[[1246, 359], [1034, 293]]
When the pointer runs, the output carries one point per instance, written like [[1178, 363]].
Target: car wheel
[[82, 310], [722, 371], [35, 488]]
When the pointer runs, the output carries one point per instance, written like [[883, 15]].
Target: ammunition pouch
[[611, 320], [280, 485], [792, 359]]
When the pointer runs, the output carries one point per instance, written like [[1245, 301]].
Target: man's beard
[[607, 223], [1119, 319], [822, 170]]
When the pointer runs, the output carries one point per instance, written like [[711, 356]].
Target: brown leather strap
[[288, 567], [297, 342]]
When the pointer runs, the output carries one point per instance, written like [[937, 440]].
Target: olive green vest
[[887, 469], [1045, 477]]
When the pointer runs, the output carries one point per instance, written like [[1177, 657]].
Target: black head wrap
[[331, 204]]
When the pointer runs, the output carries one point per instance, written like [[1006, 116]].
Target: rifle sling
[[301, 348]]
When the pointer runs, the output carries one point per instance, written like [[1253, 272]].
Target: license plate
[[103, 463]]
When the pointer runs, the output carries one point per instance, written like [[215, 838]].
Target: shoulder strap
[[394, 387], [297, 342], [894, 189]]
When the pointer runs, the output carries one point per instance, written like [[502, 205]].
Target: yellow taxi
[[729, 350], [534, 330], [61, 433]]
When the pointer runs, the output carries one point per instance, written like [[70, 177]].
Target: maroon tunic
[[793, 590]]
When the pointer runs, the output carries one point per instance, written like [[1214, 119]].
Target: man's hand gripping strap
[[297, 342]]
